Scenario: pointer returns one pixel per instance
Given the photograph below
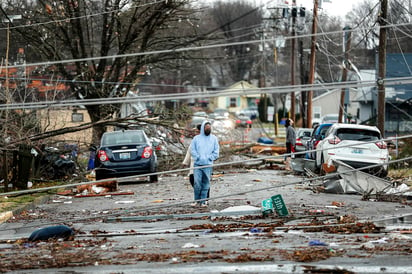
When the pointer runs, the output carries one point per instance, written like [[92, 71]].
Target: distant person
[[204, 150], [290, 140], [188, 161]]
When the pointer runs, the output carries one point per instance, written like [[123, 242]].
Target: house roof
[[399, 65], [242, 85], [328, 93]]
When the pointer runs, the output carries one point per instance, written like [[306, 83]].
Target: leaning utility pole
[[312, 63], [347, 40], [382, 66]]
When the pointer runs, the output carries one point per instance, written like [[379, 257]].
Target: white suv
[[356, 145]]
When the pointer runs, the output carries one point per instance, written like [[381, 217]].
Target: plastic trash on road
[[316, 243], [190, 245]]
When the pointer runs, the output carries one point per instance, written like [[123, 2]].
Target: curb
[[7, 215]]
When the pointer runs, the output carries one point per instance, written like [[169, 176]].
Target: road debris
[[98, 188], [52, 232]]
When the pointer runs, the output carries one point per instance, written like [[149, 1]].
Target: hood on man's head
[[202, 128]]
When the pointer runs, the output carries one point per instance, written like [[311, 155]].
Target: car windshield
[[126, 137], [357, 134]]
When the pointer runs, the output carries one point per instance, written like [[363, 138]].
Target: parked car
[[219, 112], [197, 118], [251, 112], [318, 134], [330, 119], [200, 114], [222, 124], [302, 136], [243, 122], [356, 145], [125, 153]]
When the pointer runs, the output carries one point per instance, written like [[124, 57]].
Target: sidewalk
[[6, 215]]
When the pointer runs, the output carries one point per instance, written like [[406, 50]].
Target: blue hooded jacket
[[204, 149]]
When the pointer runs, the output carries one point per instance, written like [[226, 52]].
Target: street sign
[[279, 205], [267, 206]]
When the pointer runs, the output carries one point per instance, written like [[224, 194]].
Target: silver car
[[302, 137]]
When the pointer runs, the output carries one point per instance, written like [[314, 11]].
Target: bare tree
[[110, 37], [365, 16], [236, 21]]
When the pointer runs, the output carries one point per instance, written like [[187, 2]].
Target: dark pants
[[289, 150], [192, 182]]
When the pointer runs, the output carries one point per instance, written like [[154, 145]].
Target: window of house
[[233, 102]]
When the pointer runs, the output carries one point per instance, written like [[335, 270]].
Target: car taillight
[[147, 152], [381, 145], [102, 155], [237, 121], [249, 122], [315, 144], [298, 142], [334, 141]]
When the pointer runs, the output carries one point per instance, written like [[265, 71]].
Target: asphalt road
[[152, 229]]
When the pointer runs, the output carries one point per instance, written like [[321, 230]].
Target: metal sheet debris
[[363, 183]]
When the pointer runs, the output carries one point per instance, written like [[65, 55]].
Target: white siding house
[[329, 102]]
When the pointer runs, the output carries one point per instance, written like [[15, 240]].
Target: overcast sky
[[333, 7]]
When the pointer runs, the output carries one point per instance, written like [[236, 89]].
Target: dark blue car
[[125, 153], [318, 134]]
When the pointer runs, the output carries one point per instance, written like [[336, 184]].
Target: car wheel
[[383, 173], [153, 178], [99, 176]]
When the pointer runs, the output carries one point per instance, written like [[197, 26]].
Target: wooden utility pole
[[312, 63], [347, 40], [292, 61], [382, 66], [303, 80]]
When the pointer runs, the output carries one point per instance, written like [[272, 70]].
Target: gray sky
[[332, 7]]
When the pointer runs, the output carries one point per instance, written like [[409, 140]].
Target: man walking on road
[[290, 141], [204, 150], [188, 161]]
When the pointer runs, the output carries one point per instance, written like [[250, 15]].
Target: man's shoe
[[203, 205], [194, 204]]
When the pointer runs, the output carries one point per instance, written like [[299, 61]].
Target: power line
[[194, 48], [206, 94]]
